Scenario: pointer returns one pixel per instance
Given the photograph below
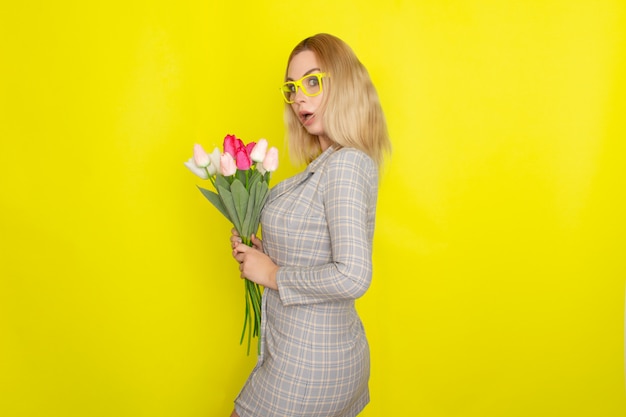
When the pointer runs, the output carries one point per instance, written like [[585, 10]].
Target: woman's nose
[[300, 95]]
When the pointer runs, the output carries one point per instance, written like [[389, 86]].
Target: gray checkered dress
[[318, 227]]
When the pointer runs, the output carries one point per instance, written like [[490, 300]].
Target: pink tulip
[[200, 157], [249, 147], [270, 163], [243, 159], [227, 165], [258, 152], [230, 145]]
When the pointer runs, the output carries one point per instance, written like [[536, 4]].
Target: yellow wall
[[499, 275]]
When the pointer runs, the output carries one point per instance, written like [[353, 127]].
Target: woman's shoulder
[[351, 157], [348, 165]]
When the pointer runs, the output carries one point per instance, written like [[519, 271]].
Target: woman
[[316, 254]]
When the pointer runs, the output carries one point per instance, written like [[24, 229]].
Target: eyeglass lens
[[310, 86]]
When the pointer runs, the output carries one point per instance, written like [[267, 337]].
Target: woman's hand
[[235, 239], [253, 263]]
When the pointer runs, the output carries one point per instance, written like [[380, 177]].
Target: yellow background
[[499, 252]]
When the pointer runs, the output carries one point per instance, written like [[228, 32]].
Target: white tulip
[[199, 171], [259, 150]]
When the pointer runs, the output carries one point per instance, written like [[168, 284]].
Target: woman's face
[[306, 108]]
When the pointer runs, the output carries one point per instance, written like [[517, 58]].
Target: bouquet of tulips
[[240, 176]]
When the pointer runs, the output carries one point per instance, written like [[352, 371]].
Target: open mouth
[[305, 117]]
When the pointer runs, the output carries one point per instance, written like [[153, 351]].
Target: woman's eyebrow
[[311, 71]]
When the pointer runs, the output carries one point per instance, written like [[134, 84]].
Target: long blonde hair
[[351, 112]]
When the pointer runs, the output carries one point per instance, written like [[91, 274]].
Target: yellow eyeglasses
[[311, 85]]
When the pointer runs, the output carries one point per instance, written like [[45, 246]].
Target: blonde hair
[[351, 112]]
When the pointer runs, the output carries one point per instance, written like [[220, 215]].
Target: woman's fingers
[[256, 242], [239, 251], [234, 238]]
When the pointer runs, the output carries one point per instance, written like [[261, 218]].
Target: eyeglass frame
[[298, 84]]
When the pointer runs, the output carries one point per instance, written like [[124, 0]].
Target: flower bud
[[270, 163], [200, 157], [258, 152], [214, 156], [227, 165], [243, 159], [199, 171], [230, 144]]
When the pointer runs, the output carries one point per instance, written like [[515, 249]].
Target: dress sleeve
[[348, 189]]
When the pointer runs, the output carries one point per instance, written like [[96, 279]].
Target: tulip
[[227, 165], [250, 146], [200, 157], [231, 144], [243, 159], [214, 167], [270, 163], [258, 152], [199, 171]]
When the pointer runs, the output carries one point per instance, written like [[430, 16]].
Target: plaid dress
[[318, 227]]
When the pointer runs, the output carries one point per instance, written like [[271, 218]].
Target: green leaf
[[214, 198], [247, 226], [264, 192], [240, 198], [261, 192], [222, 181], [227, 199], [254, 178], [261, 196], [241, 175]]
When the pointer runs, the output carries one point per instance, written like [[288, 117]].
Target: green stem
[[250, 329], [253, 297], [245, 319], [256, 306]]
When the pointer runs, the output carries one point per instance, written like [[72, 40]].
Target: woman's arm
[[348, 189]]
